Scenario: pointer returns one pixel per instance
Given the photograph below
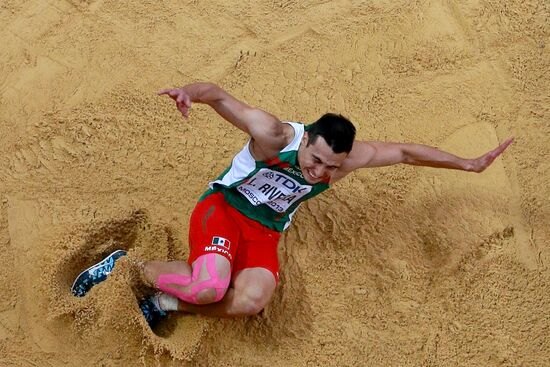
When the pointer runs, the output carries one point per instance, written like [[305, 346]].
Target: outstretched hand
[[183, 101], [481, 163]]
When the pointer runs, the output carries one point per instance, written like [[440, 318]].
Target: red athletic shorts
[[217, 227]]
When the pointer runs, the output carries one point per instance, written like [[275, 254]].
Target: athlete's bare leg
[[184, 284], [251, 292]]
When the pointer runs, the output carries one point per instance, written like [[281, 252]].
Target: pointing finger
[[164, 91], [173, 93]]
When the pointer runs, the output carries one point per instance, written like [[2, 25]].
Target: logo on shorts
[[221, 246], [221, 242]]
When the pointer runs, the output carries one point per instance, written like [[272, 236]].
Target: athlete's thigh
[[258, 249], [212, 230]]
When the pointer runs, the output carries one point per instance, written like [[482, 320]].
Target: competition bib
[[274, 189]]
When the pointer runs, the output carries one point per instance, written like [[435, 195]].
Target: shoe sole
[[121, 252]]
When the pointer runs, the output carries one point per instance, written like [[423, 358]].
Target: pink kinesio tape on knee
[[166, 281]]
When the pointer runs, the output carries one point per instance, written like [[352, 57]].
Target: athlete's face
[[318, 161]]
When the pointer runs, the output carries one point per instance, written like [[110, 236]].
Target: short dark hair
[[337, 131]]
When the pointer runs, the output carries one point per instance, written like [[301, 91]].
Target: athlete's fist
[[183, 101]]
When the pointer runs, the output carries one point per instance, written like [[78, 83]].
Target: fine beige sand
[[396, 266]]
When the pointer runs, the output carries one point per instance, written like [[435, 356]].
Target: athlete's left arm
[[366, 154]]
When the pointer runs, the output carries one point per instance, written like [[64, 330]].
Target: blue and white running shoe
[[95, 274], [151, 310]]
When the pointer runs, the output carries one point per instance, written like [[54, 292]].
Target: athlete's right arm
[[262, 127]]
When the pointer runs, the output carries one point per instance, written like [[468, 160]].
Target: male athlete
[[234, 230]]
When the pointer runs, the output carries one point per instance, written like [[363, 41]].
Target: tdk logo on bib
[[273, 188]]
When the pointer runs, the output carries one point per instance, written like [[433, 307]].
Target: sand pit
[[399, 266]]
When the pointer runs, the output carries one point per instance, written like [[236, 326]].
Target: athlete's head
[[325, 146]]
